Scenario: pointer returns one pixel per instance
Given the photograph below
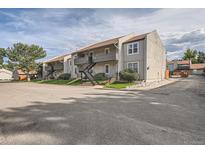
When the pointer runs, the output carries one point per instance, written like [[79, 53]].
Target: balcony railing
[[81, 60], [55, 67], [102, 57], [58, 66]]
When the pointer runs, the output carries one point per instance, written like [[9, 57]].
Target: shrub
[[64, 76], [128, 75], [100, 76]]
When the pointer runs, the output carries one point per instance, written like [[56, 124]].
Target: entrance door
[[90, 57]]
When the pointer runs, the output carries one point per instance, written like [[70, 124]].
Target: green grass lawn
[[61, 82], [74, 82], [119, 85]]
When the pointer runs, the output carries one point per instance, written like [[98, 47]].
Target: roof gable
[[136, 38]]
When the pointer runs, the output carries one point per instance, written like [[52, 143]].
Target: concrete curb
[[165, 83]]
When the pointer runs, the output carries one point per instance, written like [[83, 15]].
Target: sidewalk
[[153, 85]]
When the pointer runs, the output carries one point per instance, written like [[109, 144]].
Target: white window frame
[[108, 68], [132, 48], [133, 63], [108, 50]]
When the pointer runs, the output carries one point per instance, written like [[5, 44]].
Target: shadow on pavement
[[103, 118]]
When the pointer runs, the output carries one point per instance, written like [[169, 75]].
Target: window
[[107, 51], [133, 48], [107, 68], [134, 66], [130, 49]]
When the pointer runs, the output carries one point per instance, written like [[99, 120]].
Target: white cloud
[[175, 55], [65, 30]]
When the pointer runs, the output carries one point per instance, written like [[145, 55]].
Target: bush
[[64, 76], [129, 75], [100, 76]]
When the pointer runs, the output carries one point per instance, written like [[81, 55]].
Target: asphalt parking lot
[[33, 113]]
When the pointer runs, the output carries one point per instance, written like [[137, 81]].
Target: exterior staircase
[[86, 70], [50, 73]]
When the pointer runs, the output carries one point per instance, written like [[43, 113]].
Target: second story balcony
[[56, 66], [96, 58]]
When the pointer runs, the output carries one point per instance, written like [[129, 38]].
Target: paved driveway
[[50, 114]]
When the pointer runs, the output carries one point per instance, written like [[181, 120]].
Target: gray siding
[[135, 57]]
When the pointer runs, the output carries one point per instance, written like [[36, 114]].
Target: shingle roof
[[170, 62], [57, 58], [100, 44], [21, 72], [138, 37], [6, 71], [111, 41], [197, 66], [183, 62]]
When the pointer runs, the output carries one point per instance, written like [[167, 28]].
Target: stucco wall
[[155, 57], [139, 57]]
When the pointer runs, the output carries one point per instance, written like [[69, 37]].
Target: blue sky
[[61, 31]]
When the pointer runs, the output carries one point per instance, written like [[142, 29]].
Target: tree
[[190, 55], [9, 66], [128, 75], [2, 55], [201, 57], [24, 56]]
